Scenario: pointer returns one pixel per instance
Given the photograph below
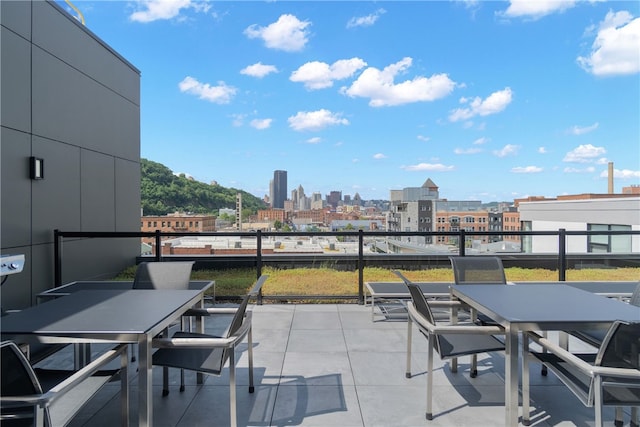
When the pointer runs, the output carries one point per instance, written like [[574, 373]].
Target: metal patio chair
[[610, 377], [208, 354], [52, 397], [448, 340]]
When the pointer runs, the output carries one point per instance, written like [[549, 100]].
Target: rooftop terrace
[[331, 365]]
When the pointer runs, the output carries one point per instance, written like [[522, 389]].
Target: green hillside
[[162, 193]]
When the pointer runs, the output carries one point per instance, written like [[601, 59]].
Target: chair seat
[[569, 372], [207, 360], [454, 345]]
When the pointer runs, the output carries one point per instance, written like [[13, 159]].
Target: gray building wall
[[68, 98]]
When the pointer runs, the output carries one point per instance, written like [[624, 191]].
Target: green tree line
[[163, 192]]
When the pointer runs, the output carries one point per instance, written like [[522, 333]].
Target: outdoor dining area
[[486, 352]]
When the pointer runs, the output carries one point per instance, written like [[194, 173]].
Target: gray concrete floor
[[332, 365]]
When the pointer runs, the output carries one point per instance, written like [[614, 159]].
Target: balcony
[[331, 365]]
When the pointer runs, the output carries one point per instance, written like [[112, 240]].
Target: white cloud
[[320, 75], [379, 156], [621, 174], [589, 169], [526, 169], [153, 10], [220, 94], [258, 70], [355, 161], [481, 141], [507, 150], [584, 154], [288, 33], [536, 9], [315, 120], [542, 150], [261, 124], [424, 138], [581, 130], [314, 140], [616, 49], [432, 167], [365, 21], [494, 103], [467, 150], [379, 86]]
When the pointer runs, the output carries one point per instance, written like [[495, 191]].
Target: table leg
[[145, 382], [511, 376]]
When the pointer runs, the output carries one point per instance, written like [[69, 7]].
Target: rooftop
[[332, 365]]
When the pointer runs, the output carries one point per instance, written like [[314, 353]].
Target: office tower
[[279, 189]]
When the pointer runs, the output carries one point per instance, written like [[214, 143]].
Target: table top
[[195, 285], [112, 315], [545, 307], [610, 289]]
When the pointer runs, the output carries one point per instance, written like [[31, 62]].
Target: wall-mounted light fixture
[[36, 168]]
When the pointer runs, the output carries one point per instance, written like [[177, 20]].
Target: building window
[[609, 243]]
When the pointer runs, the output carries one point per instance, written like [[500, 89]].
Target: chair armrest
[[86, 371], [451, 328], [201, 312], [47, 398], [446, 303], [205, 340]]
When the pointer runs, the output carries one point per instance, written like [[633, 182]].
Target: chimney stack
[[610, 177]]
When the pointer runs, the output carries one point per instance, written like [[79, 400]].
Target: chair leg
[[165, 381], [429, 413], [250, 351], [409, 335], [124, 387], [526, 393], [474, 366], [619, 420], [182, 380], [598, 400], [233, 422], [634, 417]]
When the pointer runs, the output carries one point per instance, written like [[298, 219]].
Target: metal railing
[[560, 260]]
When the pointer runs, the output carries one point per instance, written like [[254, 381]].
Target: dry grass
[[329, 282]]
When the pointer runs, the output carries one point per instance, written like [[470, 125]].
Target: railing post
[[360, 267], [259, 261], [158, 246], [562, 254], [57, 258], [462, 242]]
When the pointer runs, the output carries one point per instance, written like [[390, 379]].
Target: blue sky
[[491, 100]]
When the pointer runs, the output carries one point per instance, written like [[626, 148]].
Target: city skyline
[[492, 100]]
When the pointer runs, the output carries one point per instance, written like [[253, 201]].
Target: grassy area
[[327, 281]]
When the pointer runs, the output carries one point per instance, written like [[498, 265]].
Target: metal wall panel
[[15, 96], [56, 198], [15, 188], [16, 16], [97, 192]]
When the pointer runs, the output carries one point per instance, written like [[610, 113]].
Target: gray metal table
[[399, 291], [132, 316], [539, 308]]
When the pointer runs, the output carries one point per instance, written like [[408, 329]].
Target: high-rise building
[[279, 189]]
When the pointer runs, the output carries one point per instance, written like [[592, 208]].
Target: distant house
[[582, 212]]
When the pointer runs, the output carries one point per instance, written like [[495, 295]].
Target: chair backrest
[[402, 277], [422, 307], [17, 378], [478, 270], [635, 296], [163, 275], [620, 347]]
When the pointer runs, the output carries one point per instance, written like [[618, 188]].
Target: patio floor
[[331, 365]]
